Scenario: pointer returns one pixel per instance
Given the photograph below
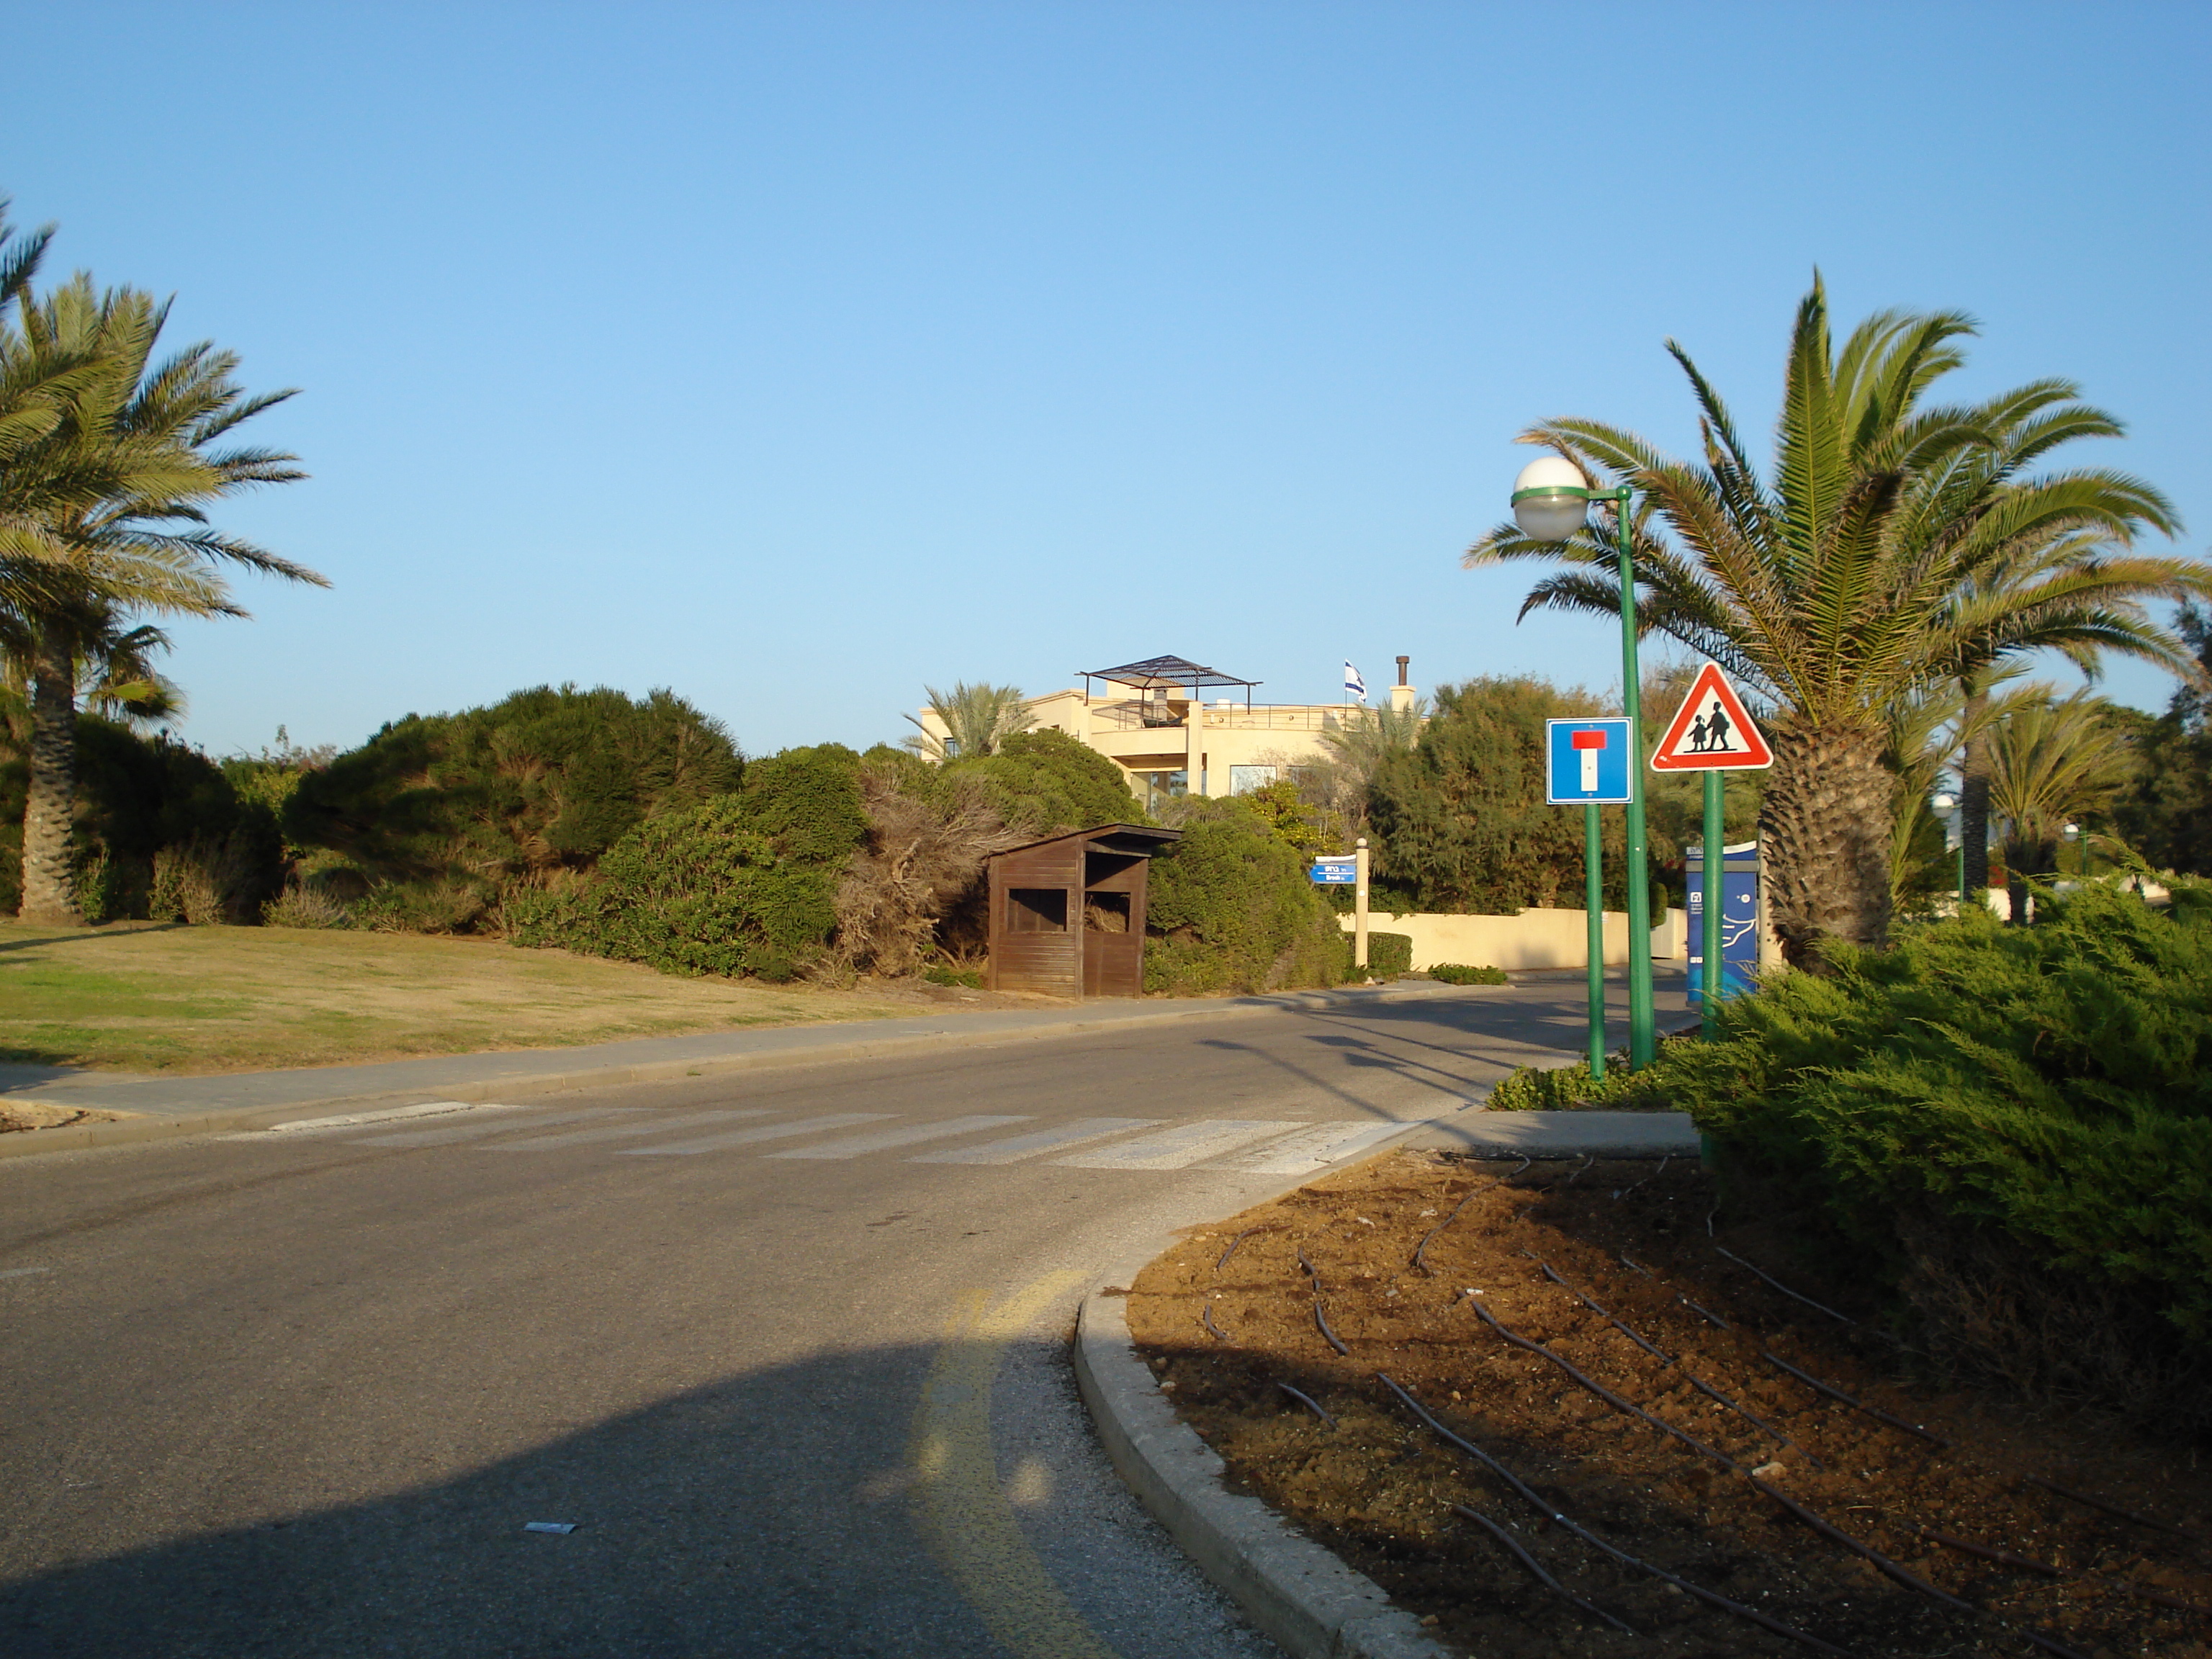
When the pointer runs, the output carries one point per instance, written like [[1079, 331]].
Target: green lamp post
[[1550, 502]]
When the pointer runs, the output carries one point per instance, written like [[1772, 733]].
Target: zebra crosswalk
[[1253, 1145]]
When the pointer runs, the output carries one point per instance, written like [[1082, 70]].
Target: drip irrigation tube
[[1422, 1248], [1205, 1318], [1335, 1341], [1834, 1393], [1309, 1402], [1536, 1567], [1527, 1495], [1235, 1241]]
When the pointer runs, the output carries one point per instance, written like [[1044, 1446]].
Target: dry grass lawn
[[140, 997]]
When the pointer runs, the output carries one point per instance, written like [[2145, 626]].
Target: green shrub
[[1389, 955], [524, 793], [1230, 909], [1566, 1088], [940, 973], [807, 803], [1458, 973], [702, 892], [1043, 782], [2006, 1130]]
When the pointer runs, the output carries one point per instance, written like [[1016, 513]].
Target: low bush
[[1567, 1088], [938, 973], [1458, 973], [1389, 955], [2006, 1131], [702, 892], [1230, 909]]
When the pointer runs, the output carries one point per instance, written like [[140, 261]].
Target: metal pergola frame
[[1175, 673]]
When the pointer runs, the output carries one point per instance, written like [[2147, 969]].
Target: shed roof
[[1139, 838]]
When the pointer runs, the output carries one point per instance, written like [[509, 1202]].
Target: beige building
[[1175, 727]]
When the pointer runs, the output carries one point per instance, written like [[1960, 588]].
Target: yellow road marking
[[964, 1515]]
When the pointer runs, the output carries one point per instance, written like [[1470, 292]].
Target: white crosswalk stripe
[[884, 1139], [804, 1125], [489, 1126], [1310, 1149], [653, 1125], [1037, 1140], [1181, 1145]]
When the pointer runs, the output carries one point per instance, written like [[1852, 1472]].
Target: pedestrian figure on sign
[[1698, 735], [1717, 728]]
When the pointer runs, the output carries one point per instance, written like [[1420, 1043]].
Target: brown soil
[[21, 1115], [1378, 1486]]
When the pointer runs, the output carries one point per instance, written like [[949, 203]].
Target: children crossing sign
[[1712, 731]]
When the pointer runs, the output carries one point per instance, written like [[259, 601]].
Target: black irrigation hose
[[1626, 1262], [1882, 1563], [1309, 1402], [1205, 1318], [1580, 1170], [1309, 1272], [1706, 1314], [2006, 1558], [1235, 1241], [1709, 1392], [1638, 1181], [1599, 1389], [1591, 1303], [1536, 1567], [1322, 1320], [1782, 1287], [1527, 1495], [2109, 1509], [1422, 1249], [1834, 1393]]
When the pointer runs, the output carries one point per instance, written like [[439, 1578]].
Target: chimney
[[1401, 695]]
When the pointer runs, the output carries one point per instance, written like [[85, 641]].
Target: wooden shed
[[1067, 914]]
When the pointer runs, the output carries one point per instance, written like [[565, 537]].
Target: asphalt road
[[786, 1348]]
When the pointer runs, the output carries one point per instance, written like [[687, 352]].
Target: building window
[[1036, 909], [1164, 787], [1243, 780]]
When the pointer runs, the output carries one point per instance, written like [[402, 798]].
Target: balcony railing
[[1134, 716]]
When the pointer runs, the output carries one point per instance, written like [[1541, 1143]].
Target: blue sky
[[794, 356]]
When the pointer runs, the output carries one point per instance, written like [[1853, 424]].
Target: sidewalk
[[161, 1107]]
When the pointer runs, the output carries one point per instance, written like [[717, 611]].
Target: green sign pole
[[1714, 934], [1594, 902], [1643, 1016]]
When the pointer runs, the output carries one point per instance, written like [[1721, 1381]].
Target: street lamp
[[1955, 833], [2073, 832], [1551, 500]]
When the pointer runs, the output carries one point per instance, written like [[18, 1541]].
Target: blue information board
[[1588, 761], [1739, 931], [1334, 873]]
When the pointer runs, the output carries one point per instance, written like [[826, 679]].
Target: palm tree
[[1887, 552], [976, 718], [2052, 759], [105, 505]]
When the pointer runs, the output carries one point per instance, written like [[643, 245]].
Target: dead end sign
[[1712, 731]]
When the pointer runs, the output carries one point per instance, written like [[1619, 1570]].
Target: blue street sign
[[1588, 761], [1333, 872]]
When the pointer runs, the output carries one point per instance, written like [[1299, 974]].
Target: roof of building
[[1156, 672], [1143, 839]]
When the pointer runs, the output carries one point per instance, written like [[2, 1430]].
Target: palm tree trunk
[[1974, 791], [1824, 830], [49, 817]]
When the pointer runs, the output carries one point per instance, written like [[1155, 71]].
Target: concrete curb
[[1298, 1593], [136, 1128]]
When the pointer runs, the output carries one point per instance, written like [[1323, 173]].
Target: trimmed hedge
[[1458, 973], [1387, 953]]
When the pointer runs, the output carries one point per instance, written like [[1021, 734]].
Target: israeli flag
[[1353, 684]]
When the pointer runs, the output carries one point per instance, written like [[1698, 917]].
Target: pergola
[[1166, 674]]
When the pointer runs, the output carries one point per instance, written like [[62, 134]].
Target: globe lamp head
[[1551, 499]]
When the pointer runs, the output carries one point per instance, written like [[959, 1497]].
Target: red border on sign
[[1671, 757]]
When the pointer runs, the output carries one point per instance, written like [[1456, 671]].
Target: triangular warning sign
[[1712, 731]]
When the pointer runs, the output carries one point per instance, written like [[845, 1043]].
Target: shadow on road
[[769, 1514]]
